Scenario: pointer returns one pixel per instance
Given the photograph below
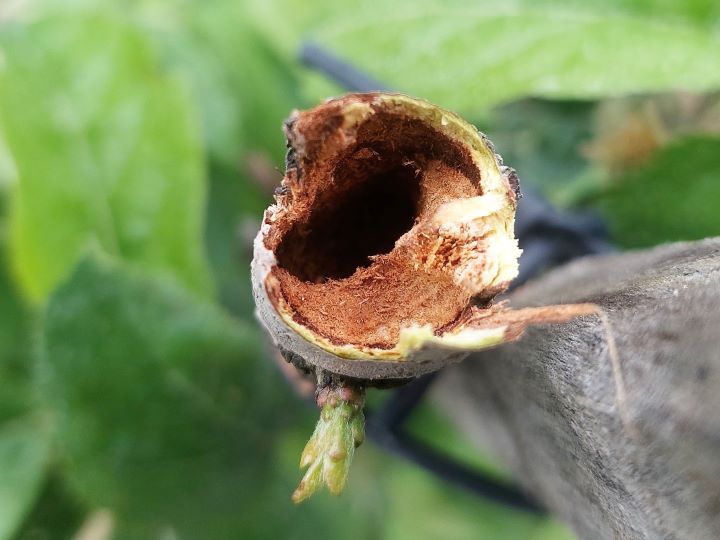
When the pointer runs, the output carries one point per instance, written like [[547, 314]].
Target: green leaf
[[245, 86], [55, 513], [289, 21], [12, 311], [24, 450], [107, 150], [474, 58], [168, 412], [15, 343], [152, 397], [675, 196], [170, 26], [8, 176], [262, 81], [24, 437], [699, 12]]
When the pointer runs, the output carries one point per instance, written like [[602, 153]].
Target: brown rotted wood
[[612, 422]]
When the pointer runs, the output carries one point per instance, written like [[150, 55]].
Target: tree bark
[[611, 421]]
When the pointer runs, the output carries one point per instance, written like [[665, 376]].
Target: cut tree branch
[[391, 233], [613, 420]]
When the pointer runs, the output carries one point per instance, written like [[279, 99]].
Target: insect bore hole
[[364, 214]]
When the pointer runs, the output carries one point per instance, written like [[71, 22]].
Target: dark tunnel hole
[[346, 229]]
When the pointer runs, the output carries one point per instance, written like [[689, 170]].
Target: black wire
[[337, 70], [385, 428]]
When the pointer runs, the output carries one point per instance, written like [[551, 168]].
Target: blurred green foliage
[[472, 59], [139, 142], [673, 197], [175, 430], [107, 149], [24, 450]]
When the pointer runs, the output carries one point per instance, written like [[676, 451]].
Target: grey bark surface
[[619, 436]]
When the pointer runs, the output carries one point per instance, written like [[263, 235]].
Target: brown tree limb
[[613, 420]]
